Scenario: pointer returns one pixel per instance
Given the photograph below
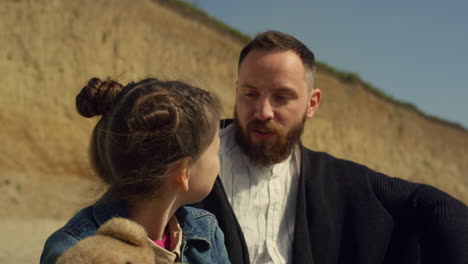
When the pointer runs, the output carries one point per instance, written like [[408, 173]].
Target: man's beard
[[268, 153]]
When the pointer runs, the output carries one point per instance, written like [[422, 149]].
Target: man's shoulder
[[351, 177], [327, 161], [226, 134], [323, 169], [225, 122]]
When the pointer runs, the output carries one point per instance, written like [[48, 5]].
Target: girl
[[156, 146]]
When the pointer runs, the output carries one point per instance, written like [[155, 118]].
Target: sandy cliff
[[51, 48]]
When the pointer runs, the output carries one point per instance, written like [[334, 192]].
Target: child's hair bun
[[156, 113], [97, 97]]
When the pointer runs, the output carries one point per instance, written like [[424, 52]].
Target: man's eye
[[283, 97]]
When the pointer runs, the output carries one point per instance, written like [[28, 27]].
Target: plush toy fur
[[118, 241]]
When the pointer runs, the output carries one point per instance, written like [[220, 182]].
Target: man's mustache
[[268, 125]]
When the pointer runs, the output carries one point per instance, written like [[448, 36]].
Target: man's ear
[[313, 103]]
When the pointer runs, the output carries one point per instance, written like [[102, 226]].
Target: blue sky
[[415, 50]]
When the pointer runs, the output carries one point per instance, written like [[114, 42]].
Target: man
[[279, 202]]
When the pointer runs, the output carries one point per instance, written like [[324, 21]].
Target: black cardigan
[[347, 213]]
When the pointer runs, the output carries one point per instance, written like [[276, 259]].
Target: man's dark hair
[[278, 41]]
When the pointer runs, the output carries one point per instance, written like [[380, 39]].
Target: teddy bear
[[117, 241]]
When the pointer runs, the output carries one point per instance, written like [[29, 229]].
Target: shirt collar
[[175, 233]]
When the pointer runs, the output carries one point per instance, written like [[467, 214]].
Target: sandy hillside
[[51, 48]]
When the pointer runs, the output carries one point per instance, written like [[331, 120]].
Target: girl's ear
[[182, 176], [182, 179]]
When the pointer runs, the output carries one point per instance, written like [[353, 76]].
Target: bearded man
[[279, 202]]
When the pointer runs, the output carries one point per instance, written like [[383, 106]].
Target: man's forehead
[[280, 88], [271, 64], [272, 71]]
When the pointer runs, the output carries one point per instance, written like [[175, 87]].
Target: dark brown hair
[[146, 128], [278, 41]]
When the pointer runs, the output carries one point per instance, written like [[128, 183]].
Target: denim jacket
[[202, 242]]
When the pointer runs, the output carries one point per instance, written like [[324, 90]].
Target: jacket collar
[[188, 220], [105, 210], [191, 225]]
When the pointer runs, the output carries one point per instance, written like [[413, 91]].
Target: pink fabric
[[164, 243]]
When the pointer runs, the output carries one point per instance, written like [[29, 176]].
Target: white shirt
[[263, 199]]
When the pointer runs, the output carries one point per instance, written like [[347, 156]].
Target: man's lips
[[263, 131]]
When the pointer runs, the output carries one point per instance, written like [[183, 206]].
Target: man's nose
[[264, 110]]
